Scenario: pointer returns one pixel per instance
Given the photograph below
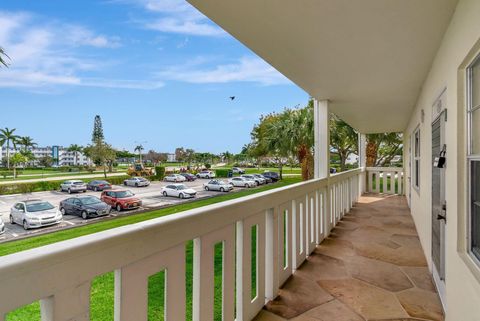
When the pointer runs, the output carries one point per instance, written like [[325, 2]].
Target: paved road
[[59, 178], [151, 197]]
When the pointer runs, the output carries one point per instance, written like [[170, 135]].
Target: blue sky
[[157, 71]]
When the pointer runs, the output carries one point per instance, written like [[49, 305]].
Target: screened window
[[416, 158], [473, 114]]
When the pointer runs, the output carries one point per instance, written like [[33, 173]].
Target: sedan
[[206, 174], [73, 186], [175, 178], [189, 177], [242, 182], [262, 178], [258, 181], [121, 200], [34, 213], [178, 190], [238, 170], [272, 175], [99, 185], [218, 185], [84, 206], [136, 181]]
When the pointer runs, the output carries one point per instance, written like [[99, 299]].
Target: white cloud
[[247, 69], [44, 54], [177, 16]]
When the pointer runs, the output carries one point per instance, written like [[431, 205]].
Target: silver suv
[[73, 186]]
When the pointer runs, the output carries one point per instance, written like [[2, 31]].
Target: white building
[[59, 153]]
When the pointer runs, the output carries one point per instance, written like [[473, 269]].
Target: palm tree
[[139, 149], [2, 59], [75, 149], [7, 136], [26, 142]]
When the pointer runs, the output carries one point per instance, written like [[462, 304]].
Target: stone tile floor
[[372, 267]]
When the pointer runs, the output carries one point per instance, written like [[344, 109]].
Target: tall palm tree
[[7, 136], [2, 57], [139, 149], [75, 149], [26, 142]]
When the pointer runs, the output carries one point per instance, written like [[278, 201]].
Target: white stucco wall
[[462, 275]]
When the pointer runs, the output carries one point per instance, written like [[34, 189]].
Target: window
[[416, 159], [473, 157]]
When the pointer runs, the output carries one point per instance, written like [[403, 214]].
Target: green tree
[[3, 55], [382, 148], [26, 142], [189, 156], [46, 161], [139, 149], [97, 135], [343, 140], [75, 149], [7, 137], [102, 154], [16, 160]]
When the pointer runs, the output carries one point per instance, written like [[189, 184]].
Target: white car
[[178, 190], [73, 186], [218, 185], [257, 180], [242, 182], [34, 213], [206, 174], [136, 181], [2, 226], [238, 170], [175, 178]]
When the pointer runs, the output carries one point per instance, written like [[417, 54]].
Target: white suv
[[206, 174], [73, 186]]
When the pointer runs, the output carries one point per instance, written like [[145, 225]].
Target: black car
[[272, 175], [97, 185], [189, 177], [84, 206]]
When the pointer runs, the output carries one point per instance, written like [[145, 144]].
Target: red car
[[121, 199], [189, 177]]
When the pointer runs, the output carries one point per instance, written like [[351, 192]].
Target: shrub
[[222, 172], [117, 180], [208, 166], [160, 172], [4, 174]]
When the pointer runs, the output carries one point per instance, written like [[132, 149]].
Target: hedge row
[[20, 188], [222, 172]]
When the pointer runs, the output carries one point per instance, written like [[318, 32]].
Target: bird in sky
[[232, 97]]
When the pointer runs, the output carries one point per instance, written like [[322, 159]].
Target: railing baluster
[[131, 286], [69, 304], [300, 233], [204, 274]]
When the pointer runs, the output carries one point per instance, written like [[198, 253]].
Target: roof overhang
[[369, 58]]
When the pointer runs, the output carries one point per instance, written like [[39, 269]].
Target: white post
[[322, 139], [362, 162]]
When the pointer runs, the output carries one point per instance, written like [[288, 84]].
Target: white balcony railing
[[289, 221], [386, 180]]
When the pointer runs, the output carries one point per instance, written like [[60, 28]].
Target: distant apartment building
[[60, 155]]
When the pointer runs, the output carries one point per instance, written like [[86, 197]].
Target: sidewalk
[[59, 178]]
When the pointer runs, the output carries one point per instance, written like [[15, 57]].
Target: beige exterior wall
[[460, 44]]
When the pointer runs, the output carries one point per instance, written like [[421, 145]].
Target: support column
[[322, 138], [362, 161]]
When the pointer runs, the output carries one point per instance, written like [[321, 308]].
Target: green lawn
[[102, 295], [49, 175]]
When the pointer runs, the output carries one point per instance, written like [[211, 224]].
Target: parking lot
[[151, 197]]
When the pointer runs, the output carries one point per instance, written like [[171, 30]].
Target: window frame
[[416, 166], [471, 158]]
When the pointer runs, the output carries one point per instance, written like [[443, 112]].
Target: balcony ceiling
[[368, 57]]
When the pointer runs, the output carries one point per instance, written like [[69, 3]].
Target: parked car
[[99, 185], [206, 174], [258, 181], [2, 226], [274, 176], [72, 186], [178, 190], [121, 199], [242, 182], [189, 177], [175, 178], [136, 181], [34, 213], [261, 177], [238, 170], [218, 185], [84, 206]]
